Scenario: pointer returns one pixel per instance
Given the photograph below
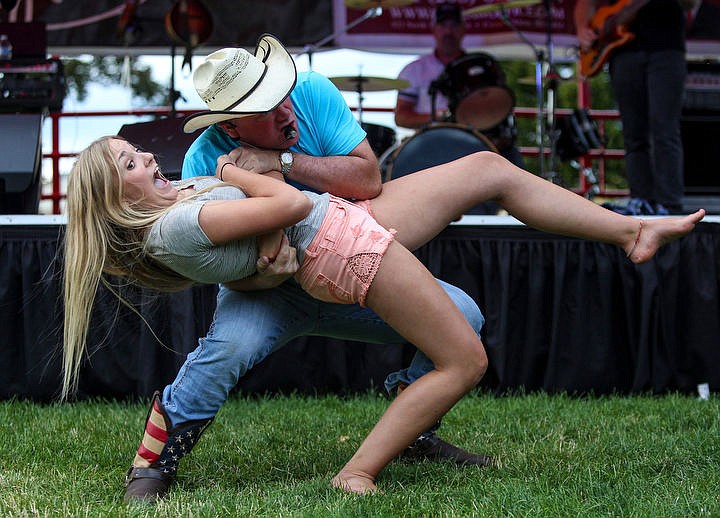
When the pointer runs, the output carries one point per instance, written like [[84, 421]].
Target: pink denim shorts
[[341, 261]]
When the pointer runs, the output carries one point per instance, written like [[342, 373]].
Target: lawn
[[273, 456]]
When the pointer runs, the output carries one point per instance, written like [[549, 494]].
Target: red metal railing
[[600, 155]]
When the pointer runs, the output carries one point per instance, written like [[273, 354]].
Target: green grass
[[560, 456]]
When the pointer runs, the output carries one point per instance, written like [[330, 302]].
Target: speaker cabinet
[[20, 149], [700, 137]]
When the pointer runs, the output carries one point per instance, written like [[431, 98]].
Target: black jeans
[[649, 88]]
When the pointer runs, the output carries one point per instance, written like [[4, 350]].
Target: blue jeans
[[248, 326], [649, 89]]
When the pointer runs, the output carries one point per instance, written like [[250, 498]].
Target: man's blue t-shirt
[[326, 125]]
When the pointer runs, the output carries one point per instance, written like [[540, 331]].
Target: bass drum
[[434, 145], [477, 95]]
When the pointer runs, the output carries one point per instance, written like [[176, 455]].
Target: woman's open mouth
[[159, 179]]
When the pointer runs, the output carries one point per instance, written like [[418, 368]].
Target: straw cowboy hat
[[234, 83]]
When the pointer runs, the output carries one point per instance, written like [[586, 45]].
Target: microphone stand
[[310, 48], [433, 91], [542, 125], [540, 119]]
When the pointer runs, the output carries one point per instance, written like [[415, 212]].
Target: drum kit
[[480, 105]]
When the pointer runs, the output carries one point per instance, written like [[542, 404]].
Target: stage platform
[[563, 315]]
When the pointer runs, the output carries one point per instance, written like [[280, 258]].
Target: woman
[[125, 218]]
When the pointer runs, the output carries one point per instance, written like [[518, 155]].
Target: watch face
[[286, 159]]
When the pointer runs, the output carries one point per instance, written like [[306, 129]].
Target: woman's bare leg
[[407, 297], [421, 204]]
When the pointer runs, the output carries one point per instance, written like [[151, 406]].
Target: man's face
[[265, 130], [448, 35]]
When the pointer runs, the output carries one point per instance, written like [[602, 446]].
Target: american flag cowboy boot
[[156, 461]]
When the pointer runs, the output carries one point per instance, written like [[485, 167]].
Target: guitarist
[[644, 44]]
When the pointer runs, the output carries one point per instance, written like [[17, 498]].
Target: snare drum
[[477, 95], [434, 145]]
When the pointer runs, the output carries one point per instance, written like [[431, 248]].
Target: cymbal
[[369, 4], [510, 4], [368, 84]]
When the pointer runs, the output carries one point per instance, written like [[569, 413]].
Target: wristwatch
[[286, 162]]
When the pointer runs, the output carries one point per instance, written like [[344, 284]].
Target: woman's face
[[143, 183]]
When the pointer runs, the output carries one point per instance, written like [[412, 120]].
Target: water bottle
[[5, 48]]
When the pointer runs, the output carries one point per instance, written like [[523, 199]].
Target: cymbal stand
[[359, 91], [553, 80], [310, 48]]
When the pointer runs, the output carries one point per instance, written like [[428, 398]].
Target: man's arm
[[407, 117], [583, 12], [356, 175]]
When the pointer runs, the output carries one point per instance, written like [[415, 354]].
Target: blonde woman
[[125, 218]]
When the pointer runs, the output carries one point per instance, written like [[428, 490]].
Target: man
[[647, 75], [297, 125], [414, 107]]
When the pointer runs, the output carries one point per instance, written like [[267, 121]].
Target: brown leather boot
[[430, 447], [156, 461]]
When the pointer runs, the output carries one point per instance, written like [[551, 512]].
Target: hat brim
[[273, 89]]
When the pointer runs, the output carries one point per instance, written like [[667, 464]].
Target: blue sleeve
[[327, 125], [201, 158]]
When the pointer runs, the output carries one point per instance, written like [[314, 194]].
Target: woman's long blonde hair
[[105, 235]]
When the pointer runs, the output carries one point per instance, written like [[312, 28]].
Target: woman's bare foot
[[354, 482], [654, 233]]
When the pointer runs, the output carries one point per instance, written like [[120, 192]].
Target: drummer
[[415, 104]]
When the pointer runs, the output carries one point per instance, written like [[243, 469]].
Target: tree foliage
[[114, 70]]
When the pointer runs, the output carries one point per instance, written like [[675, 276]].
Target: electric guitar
[[610, 24]]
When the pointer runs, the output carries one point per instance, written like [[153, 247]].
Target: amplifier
[[20, 149], [31, 85]]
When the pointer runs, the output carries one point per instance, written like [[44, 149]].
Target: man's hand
[[272, 270], [586, 37], [277, 261], [256, 160]]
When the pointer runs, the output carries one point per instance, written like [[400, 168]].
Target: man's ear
[[229, 128]]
